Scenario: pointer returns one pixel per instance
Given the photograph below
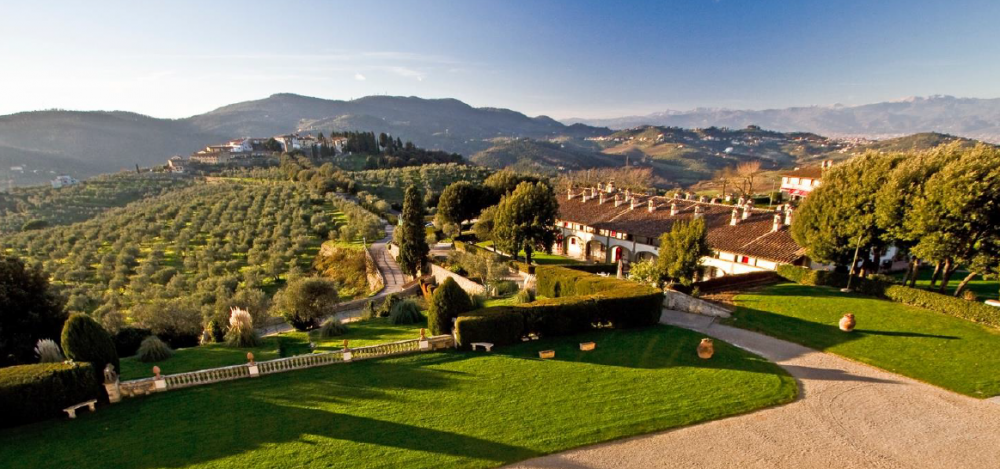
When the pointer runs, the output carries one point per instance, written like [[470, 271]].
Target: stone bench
[[486, 345], [71, 410]]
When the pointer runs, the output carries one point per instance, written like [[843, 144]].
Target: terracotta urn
[[156, 372], [422, 334], [250, 357], [847, 323], [706, 349]]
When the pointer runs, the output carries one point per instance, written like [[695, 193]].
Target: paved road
[[848, 415]]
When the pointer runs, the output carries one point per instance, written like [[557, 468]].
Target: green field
[[984, 289], [434, 410], [359, 334], [942, 350]]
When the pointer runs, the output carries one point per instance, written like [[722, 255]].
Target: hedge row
[[609, 268], [29, 393], [578, 301], [884, 287]]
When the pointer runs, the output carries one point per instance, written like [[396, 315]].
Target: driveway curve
[[848, 415]]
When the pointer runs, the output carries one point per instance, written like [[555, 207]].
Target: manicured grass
[[538, 257], [434, 410], [984, 289], [359, 334], [942, 350]]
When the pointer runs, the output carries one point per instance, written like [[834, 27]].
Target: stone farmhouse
[[603, 224], [799, 183]]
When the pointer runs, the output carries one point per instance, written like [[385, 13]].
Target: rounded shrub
[[369, 312], [153, 349], [388, 303], [84, 340], [128, 339], [506, 287], [332, 328], [406, 312], [447, 303]]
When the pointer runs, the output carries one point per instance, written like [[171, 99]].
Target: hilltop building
[[603, 224], [63, 181]]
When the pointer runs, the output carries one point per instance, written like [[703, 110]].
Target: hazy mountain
[[88, 143], [544, 156], [966, 117]]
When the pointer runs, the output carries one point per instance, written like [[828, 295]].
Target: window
[[744, 260], [572, 241]]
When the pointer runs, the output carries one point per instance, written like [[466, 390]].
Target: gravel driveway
[[848, 415]]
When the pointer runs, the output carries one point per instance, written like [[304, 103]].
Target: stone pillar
[[159, 384], [111, 384]]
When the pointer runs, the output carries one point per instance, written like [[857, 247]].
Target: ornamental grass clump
[[524, 296], [152, 349], [331, 328], [406, 312], [241, 331], [48, 351]]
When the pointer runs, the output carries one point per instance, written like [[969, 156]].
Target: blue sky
[[559, 58]]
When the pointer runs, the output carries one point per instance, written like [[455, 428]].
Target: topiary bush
[[128, 339], [241, 331], [406, 312], [48, 351], [84, 340], [29, 393], [152, 349], [447, 303], [524, 296], [506, 287], [331, 328], [502, 325]]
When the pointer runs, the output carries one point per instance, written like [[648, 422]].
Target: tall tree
[[413, 247], [29, 311], [681, 250], [748, 172], [839, 216], [524, 219], [460, 201]]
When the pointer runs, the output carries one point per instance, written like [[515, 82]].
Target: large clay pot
[[847, 323], [706, 349]]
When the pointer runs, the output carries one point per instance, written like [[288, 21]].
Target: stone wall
[[677, 301], [375, 280], [470, 287]]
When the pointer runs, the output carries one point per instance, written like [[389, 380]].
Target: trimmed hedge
[[604, 268], [577, 302], [885, 287], [84, 340], [29, 393]]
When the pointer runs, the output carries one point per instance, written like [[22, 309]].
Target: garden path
[[848, 415]]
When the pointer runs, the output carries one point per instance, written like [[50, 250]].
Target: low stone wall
[[677, 301], [470, 287], [376, 282]]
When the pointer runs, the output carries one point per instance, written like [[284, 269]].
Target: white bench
[[71, 410], [486, 345]]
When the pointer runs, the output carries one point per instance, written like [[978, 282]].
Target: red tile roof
[[751, 237], [814, 172]]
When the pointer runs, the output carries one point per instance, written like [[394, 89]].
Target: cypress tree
[[448, 301], [413, 247], [84, 340]]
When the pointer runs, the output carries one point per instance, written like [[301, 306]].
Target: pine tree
[[413, 247]]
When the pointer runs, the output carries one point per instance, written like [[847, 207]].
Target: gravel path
[[848, 415]]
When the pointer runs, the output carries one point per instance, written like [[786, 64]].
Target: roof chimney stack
[[735, 218], [677, 194], [777, 222], [746, 211], [702, 199], [600, 200], [652, 208], [673, 209], [631, 205], [618, 201], [569, 193], [788, 218], [610, 187], [698, 211]]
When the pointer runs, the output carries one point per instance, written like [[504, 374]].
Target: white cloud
[[359, 77]]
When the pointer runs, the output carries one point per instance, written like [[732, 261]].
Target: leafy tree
[[84, 340], [839, 216], [483, 228], [681, 250], [504, 181], [447, 303], [459, 202], [413, 247], [524, 219], [29, 311], [306, 300]]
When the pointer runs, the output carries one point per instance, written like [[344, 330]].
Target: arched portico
[[596, 251]]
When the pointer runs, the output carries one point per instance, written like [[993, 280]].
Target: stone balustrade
[[141, 387]]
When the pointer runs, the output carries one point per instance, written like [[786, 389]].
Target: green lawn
[[434, 410], [359, 334], [538, 257], [942, 350], [985, 289]]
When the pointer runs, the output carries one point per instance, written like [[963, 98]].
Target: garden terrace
[[576, 302], [946, 351], [432, 410]]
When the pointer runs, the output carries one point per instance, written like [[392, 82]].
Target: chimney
[[600, 200], [746, 211], [610, 187], [677, 194], [688, 196], [600, 187], [714, 200], [777, 222], [788, 218], [698, 211], [735, 218], [628, 195], [631, 205], [673, 209], [702, 199], [569, 193], [741, 201], [618, 201], [729, 197], [652, 208]]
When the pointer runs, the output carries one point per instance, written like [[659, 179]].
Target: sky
[[558, 58]]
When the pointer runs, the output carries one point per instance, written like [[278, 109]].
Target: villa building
[[603, 224], [799, 183]]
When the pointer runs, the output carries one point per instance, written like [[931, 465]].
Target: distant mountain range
[[966, 117], [88, 143]]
